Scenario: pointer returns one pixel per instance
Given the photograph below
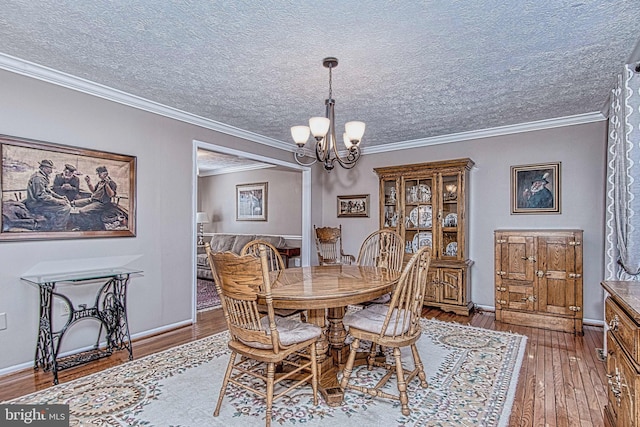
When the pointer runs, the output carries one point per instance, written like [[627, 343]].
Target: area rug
[[472, 375], [206, 297]]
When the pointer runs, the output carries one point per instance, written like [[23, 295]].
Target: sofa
[[234, 242]]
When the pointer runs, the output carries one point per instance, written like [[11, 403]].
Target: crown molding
[[36, 71], [487, 133], [49, 75]]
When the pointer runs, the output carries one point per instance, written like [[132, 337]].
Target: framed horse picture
[[52, 191]]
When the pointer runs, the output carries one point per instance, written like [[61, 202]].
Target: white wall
[[580, 148]]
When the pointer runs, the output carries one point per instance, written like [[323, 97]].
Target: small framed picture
[[251, 202], [535, 189], [353, 206]]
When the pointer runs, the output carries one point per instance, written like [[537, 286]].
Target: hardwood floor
[[562, 381]]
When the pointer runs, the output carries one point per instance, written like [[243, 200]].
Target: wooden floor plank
[[557, 347], [574, 360], [547, 381]]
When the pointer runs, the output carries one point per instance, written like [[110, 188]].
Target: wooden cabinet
[[622, 315], [538, 276], [426, 203]]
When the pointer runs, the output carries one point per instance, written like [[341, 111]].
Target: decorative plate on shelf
[[421, 239], [451, 220], [452, 249], [421, 216]]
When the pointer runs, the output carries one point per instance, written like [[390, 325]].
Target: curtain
[[622, 257]]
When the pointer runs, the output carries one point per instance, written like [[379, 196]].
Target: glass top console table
[[109, 308]]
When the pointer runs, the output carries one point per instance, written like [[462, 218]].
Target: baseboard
[[145, 334]]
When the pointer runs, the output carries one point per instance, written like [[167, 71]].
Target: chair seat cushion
[[371, 319], [291, 331]]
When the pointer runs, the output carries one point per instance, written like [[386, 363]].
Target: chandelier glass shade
[[323, 131]]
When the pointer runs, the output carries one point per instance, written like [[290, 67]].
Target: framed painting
[[535, 188], [52, 191], [353, 206], [251, 202]]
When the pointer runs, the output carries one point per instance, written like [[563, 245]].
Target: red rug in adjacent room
[[207, 298]]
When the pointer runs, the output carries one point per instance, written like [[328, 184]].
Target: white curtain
[[622, 258]]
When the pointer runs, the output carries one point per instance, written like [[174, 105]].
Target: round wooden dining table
[[325, 292]]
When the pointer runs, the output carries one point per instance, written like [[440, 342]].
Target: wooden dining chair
[[275, 263], [274, 260], [382, 248], [392, 326], [329, 246], [262, 342]]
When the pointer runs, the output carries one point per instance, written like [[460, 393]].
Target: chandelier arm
[[300, 154], [352, 157]]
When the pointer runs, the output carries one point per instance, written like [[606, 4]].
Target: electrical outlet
[[296, 262], [3, 321]]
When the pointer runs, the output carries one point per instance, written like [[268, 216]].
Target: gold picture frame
[[53, 191], [535, 189]]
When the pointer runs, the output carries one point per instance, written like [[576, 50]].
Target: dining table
[[325, 292]]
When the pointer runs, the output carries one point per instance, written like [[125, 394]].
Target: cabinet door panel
[[451, 285], [557, 281], [517, 261], [519, 296], [433, 286]]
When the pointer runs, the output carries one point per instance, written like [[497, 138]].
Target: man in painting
[[42, 201], [538, 195], [67, 183], [91, 208]]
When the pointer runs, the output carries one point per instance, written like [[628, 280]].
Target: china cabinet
[[539, 278], [426, 203]]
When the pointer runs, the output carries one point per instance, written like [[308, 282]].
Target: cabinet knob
[[529, 258], [613, 323]]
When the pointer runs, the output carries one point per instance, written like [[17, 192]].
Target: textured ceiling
[[410, 70]]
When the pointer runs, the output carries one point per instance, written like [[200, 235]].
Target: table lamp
[[201, 218]]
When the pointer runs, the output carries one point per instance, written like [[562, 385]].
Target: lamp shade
[[300, 134], [202, 218], [355, 131], [319, 126]]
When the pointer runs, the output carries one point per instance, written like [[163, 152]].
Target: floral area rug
[[472, 375], [207, 297]]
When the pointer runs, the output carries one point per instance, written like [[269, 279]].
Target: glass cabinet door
[[418, 214], [450, 209], [390, 215]]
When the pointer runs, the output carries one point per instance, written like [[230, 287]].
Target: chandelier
[[323, 130]]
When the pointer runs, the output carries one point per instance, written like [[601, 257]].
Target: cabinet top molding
[[421, 167]]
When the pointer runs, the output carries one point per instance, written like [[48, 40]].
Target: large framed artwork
[[535, 188], [52, 191], [251, 202], [353, 206]]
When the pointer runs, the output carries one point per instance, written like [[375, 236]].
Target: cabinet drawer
[[622, 385], [623, 328]]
